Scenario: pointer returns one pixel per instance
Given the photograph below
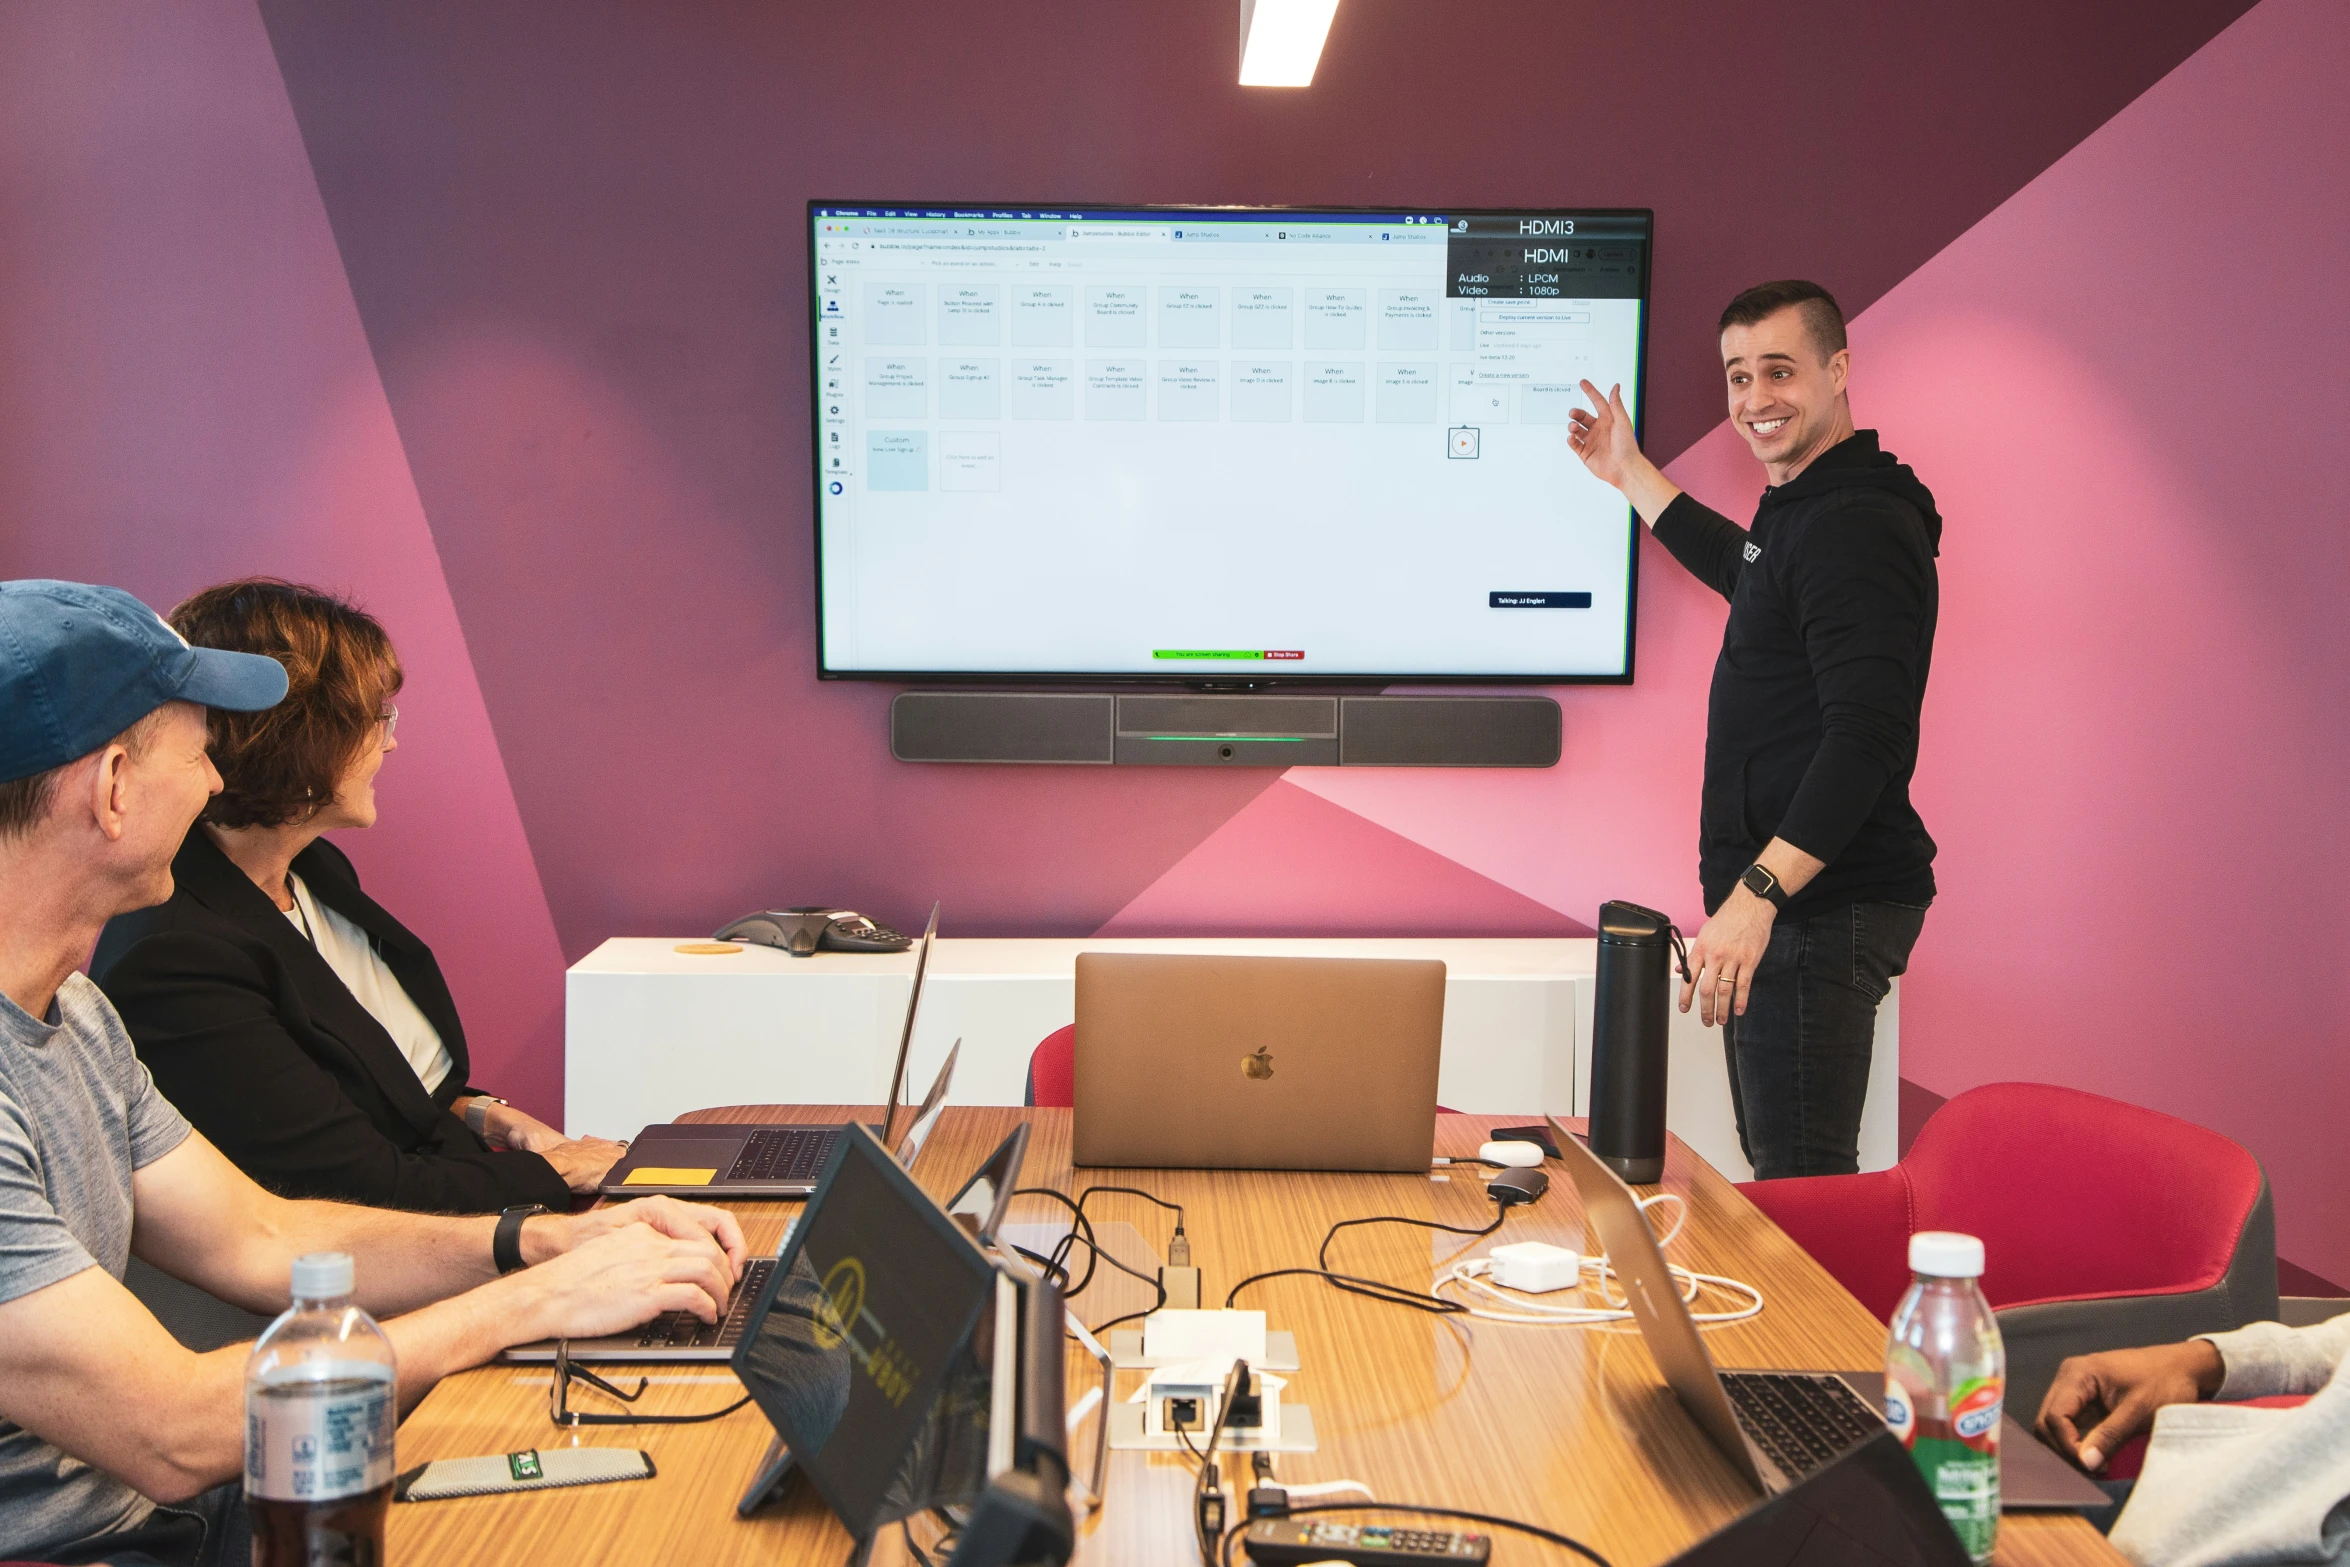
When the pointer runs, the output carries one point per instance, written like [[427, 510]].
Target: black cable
[[1061, 1273], [1501, 1211], [1159, 1285], [921, 1557], [1209, 1482], [1175, 1208], [1082, 1231], [1376, 1289], [1061, 1250], [1224, 1551]]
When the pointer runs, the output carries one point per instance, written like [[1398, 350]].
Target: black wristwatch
[[506, 1243], [1758, 880]]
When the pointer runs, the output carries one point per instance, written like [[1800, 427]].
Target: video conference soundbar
[[1106, 729]]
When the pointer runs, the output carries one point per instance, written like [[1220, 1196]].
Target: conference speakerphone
[[1190, 730]]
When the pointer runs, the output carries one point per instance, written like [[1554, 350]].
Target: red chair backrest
[[1052, 1069], [2076, 1195]]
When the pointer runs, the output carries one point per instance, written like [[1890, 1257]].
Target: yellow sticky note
[[655, 1175]]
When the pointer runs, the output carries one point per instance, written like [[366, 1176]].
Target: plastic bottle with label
[[321, 1410], [1946, 1383]]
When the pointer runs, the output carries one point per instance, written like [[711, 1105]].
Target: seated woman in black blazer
[[298, 1025]]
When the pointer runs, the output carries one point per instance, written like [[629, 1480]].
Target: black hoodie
[[1812, 728]]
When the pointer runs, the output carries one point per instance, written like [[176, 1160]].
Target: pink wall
[[2124, 382], [2120, 386], [186, 394], [491, 314]]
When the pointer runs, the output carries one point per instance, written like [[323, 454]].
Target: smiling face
[[1785, 398]]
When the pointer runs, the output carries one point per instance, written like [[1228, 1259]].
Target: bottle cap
[[1945, 1254], [323, 1275]]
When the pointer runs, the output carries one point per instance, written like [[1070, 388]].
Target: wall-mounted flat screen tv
[[1220, 444]]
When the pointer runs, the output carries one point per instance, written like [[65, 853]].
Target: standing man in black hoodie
[[1816, 869]]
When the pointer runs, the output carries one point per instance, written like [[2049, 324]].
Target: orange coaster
[[707, 949]]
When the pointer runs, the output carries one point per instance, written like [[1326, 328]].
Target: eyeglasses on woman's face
[[390, 719]]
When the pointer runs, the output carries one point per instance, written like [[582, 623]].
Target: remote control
[[1286, 1542]]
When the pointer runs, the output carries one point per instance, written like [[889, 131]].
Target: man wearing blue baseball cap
[[117, 1444]]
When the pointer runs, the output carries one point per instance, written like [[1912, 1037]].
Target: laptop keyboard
[[684, 1330], [783, 1153], [1800, 1421]]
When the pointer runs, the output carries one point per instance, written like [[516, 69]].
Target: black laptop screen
[[1869, 1508], [873, 1302]]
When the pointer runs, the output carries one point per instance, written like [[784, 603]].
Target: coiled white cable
[[1470, 1275]]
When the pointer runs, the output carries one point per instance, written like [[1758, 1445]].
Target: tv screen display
[[1220, 444]]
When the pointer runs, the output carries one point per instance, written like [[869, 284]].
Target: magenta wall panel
[[186, 394], [1292, 863], [2123, 386]]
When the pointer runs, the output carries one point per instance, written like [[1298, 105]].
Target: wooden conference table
[[1571, 1428]]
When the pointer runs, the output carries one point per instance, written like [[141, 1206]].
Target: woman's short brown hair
[[283, 764]]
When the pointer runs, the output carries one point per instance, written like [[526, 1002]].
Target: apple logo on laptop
[[1258, 1066]]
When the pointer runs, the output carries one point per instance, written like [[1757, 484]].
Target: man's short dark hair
[[1822, 318]]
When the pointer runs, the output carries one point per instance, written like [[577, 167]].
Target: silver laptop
[[680, 1335], [1775, 1427], [681, 1159], [1229, 1063]]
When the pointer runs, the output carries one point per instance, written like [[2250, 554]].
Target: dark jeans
[[1799, 1058], [204, 1531]]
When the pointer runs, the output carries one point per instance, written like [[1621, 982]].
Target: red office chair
[[2104, 1225], [1052, 1070]]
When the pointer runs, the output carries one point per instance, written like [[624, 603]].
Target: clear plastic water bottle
[[1946, 1382], [321, 1409]]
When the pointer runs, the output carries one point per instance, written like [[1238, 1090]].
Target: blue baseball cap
[[80, 664]]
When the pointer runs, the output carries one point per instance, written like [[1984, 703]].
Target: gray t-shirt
[[78, 1114]]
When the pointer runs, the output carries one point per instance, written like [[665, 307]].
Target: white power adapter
[[1536, 1267], [1516, 1155]]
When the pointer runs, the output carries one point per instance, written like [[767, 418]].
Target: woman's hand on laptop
[[503, 1126], [582, 1161]]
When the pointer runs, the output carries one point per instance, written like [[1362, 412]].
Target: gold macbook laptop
[[1230, 1063]]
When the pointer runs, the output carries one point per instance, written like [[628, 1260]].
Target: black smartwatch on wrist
[[506, 1242], [1758, 880]]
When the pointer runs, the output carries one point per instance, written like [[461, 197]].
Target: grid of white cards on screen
[[1060, 442]]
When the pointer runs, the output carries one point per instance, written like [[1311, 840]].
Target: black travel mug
[[1628, 1042]]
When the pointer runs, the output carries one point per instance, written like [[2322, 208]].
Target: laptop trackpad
[[2031, 1476]]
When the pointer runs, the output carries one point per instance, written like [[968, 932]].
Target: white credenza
[[651, 1032]]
